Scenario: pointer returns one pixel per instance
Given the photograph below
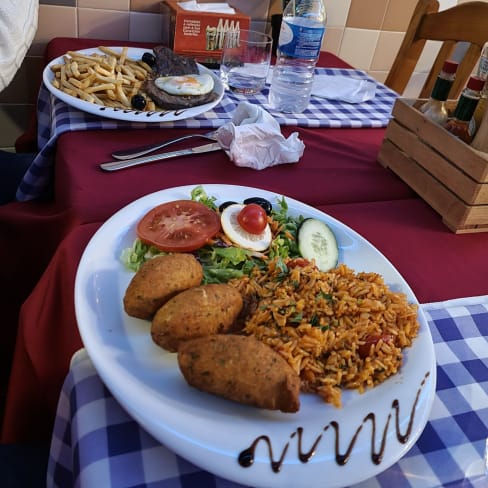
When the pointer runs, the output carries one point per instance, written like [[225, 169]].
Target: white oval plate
[[210, 431], [127, 114]]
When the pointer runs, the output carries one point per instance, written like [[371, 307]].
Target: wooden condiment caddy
[[450, 175], [480, 140]]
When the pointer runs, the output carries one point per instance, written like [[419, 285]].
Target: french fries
[[110, 79]]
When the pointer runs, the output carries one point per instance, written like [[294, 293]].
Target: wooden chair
[[466, 22]]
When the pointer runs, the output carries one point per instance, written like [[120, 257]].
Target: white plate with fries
[[304, 449], [101, 81]]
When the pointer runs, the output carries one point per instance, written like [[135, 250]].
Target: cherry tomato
[[178, 226], [252, 218]]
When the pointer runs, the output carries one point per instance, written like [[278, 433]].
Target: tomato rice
[[337, 329]]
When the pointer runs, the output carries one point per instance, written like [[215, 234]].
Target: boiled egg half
[[186, 84], [239, 236]]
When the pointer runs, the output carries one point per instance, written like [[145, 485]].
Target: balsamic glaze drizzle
[[305, 456], [246, 457], [159, 113]]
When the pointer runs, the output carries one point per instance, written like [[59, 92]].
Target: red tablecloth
[[438, 264], [338, 173], [29, 235], [47, 337], [338, 166]]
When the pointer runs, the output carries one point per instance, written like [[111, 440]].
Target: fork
[[142, 150]]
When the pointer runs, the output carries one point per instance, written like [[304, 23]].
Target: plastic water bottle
[[301, 33]]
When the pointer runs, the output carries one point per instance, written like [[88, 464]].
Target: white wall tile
[[414, 85], [358, 46], [54, 21], [443, 4], [145, 27], [105, 4], [256, 9], [386, 50], [428, 55], [333, 39], [337, 11], [103, 24]]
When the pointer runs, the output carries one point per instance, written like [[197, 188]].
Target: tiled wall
[[365, 33]]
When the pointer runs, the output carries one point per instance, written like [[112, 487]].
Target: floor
[[23, 466]]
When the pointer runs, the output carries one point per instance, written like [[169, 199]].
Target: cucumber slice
[[317, 241]]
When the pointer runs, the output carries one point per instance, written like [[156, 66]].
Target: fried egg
[[186, 84]]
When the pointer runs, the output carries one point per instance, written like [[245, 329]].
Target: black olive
[[224, 205], [138, 101], [262, 202], [149, 59]]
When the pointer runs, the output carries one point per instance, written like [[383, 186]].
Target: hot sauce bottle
[[459, 123], [435, 107], [482, 73], [480, 141]]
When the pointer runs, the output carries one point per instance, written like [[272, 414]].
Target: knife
[[116, 165]]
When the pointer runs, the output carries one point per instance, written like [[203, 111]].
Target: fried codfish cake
[[199, 311], [240, 368], [158, 280]]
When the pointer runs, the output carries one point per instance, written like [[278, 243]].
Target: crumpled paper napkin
[[343, 88], [253, 139], [216, 7]]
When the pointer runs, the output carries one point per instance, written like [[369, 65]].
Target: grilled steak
[[169, 63], [174, 102]]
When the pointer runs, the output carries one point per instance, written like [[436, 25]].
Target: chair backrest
[[466, 22]]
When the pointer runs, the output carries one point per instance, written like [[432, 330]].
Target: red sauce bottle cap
[[475, 83], [450, 66]]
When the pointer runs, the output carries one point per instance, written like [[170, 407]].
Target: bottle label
[[299, 41], [483, 67]]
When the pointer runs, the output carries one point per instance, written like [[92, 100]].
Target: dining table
[[65, 199], [451, 451]]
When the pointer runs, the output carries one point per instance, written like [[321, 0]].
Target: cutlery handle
[[140, 151], [116, 165]]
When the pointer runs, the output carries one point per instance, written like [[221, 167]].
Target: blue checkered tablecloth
[[56, 117], [95, 443]]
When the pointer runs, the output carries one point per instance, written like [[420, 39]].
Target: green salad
[[221, 261]]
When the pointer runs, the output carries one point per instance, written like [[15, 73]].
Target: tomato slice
[[252, 218], [178, 226]]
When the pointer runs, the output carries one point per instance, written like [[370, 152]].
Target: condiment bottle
[[480, 141], [459, 123], [482, 73], [435, 107]]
